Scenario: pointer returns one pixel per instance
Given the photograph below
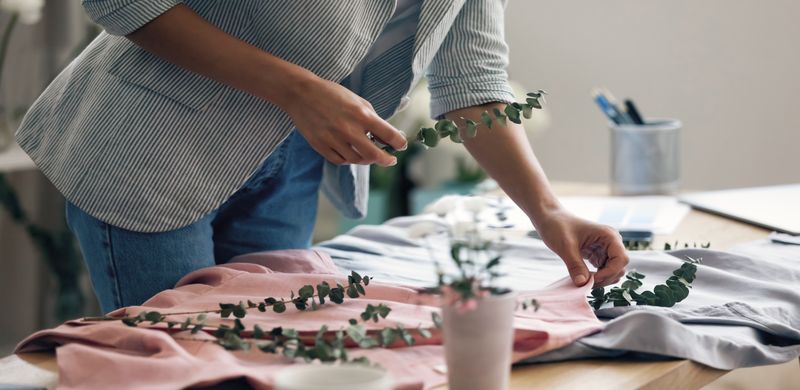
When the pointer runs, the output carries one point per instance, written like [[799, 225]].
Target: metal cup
[[645, 158]]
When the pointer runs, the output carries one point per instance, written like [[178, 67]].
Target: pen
[[633, 113], [614, 103], [611, 112]]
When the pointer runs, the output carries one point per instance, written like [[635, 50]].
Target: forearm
[[505, 154], [183, 38]]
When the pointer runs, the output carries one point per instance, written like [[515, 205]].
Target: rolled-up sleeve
[[122, 17], [470, 67]]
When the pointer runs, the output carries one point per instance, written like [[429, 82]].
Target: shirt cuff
[[444, 100], [125, 19]]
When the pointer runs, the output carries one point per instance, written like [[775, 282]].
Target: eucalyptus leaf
[[527, 111], [306, 291], [388, 336], [534, 102], [352, 292], [486, 119], [471, 128], [437, 319], [430, 137]]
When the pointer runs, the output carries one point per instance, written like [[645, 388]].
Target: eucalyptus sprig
[[306, 298], [641, 245], [514, 112], [326, 346], [675, 289]]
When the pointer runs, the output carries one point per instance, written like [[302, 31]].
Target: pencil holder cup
[[645, 158]]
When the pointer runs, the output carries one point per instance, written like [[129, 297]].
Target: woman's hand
[[575, 239], [335, 122]]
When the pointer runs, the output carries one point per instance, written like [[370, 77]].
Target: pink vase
[[478, 343]]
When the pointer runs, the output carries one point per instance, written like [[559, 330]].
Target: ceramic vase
[[478, 343]]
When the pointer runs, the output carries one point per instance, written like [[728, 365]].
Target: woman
[[193, 131]]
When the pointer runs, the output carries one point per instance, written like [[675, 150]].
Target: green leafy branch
[[288, 342], [324, 346], [640, 245], [514, 112], [303, 301], [675, 289]]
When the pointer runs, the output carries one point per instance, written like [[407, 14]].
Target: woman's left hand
[[575, 239]]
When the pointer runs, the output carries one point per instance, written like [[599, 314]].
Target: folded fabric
[[743, 309], [109, 354]]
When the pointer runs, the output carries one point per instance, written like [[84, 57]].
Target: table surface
[[40, 368]]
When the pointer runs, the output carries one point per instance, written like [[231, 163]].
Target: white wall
[[729, 69]]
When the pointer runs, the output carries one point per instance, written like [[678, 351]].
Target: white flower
[[489, 235], [475, 204], [422, 229], [444, 205], [462, 229], [30, 11]]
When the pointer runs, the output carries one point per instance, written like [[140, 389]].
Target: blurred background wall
[[730, 70]]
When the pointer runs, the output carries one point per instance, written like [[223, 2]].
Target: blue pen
[[608, 108]]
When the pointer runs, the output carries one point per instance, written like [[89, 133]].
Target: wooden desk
[[40, 368]]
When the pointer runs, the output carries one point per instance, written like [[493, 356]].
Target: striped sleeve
[[122, 17], [470, 67]]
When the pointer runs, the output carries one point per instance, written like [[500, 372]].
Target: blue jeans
[[275, 209]]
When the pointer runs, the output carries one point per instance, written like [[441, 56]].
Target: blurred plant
[[58, 251], [639, 245], [476, 252], [28, 11], [22, 11], [468, 174]]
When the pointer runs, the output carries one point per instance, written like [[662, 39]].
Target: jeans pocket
[[269, 167]]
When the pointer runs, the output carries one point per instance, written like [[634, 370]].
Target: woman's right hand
[[335, 122]]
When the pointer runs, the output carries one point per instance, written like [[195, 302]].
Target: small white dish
[[333, 377]]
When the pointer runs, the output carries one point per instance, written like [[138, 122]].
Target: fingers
[[371, 153], [387, 133], [575, 265], [342, 139], [333, 156], [343, 148], [614, 268]]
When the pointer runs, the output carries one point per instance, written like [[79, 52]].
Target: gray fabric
[[145, 145], [743, 309]]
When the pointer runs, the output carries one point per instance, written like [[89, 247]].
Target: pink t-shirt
[[102, 355]]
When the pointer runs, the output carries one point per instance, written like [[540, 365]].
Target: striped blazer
[[148, 146]]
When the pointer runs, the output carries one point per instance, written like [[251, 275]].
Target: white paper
[[658, 214]]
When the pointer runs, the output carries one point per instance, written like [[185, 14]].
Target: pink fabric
[[103, 355]]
